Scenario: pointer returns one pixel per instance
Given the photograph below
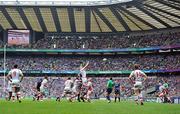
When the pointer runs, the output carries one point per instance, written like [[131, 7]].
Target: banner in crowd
[[91, 72], [93, 50]]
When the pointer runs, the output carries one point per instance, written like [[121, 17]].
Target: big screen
[[18, 37]]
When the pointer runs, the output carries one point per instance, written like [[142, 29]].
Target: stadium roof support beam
[[9, 19], [163, 16], [133, 15], [105, 20], [152, 7], [1, 28], [96, 21], [120, 19], [153, 16], [170, 5], [71, 19], [175, 1], [40, 19], [55, 18], [24, 18], [87, 19], [130, 19]]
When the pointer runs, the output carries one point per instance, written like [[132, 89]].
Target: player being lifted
[[139, 77], [14, 77], [83, 72]]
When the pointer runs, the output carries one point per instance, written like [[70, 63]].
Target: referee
[[110, 85]]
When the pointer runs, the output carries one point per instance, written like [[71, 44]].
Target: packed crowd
[[104, 41], [96, 63], [56, 85], [108, 42]]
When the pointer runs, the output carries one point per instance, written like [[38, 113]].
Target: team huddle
[[81, 88]]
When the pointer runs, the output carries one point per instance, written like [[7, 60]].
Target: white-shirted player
[[44, 87], [68, 89], [76, 88], [83, 72], [139, 77], [15, 76], [90, 89]]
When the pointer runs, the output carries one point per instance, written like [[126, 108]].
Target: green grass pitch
[[96, 107]]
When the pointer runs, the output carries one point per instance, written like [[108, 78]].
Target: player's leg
[[10, 95], [140, 97], [74, 93], [41, 94], [13, 93], [115, 96], [58, 99], [136, 93], [109, 90], [82, 96], [18, 94], [118, 96], [88, 96], [78, 97]]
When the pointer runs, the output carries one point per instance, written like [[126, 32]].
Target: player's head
[[89, 79], [136, 66], [69, 78], [110, 78], [46, 77], [80, 75], [15, 66]]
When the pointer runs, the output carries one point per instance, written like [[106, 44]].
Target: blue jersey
[[117, 86]]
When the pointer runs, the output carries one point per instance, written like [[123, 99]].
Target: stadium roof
[[135, 15], [61, 2]]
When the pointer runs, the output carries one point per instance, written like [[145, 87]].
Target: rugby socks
[[78, 98], [119, 99]]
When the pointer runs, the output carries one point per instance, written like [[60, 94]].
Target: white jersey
[[161, 88], [9, 87], [83, 74], [44, 83], [75, 86], [15, 74], [138, 75], [76, 81], [68, 84], [90, 87]]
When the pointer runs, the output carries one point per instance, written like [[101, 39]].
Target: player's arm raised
[[85, 65]]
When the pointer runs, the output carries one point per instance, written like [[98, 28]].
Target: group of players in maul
[[81, 88]]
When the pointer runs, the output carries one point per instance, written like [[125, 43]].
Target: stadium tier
[[70, 63]]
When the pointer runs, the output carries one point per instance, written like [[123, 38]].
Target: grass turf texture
[[96, 107]]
